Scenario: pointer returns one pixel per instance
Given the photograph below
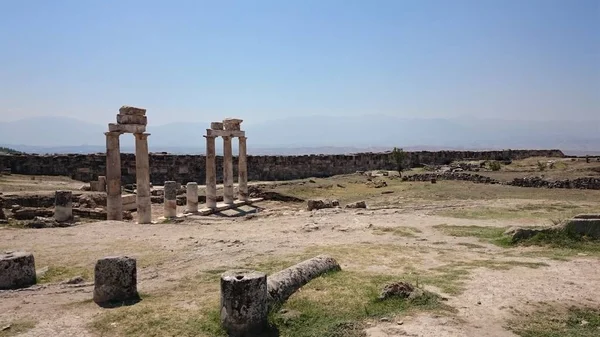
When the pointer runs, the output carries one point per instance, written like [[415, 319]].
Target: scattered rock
[[400, 289], [75, 280], [2, 215], [400, 322], [377, 183], [387, 192], [321, 203], [384, 319], [42, 272], [41, 222], [358, 204]]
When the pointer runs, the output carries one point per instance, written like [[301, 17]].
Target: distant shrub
[[541, 166], [8, 150], [398, 157], [495, 165]]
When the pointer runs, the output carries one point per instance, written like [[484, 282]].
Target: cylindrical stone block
[[192, 197], [115, 279], [142, 174], [114, 204], [63, 206], [170, 199], [211, 173], [244, 302], [17, 270], [242, 171], [227, 171], [101, 184]]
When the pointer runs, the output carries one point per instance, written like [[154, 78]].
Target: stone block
[[17, 270], [130, 110], [586, 227], [358, 204], [132, 119], [216, 126], [126, 128], [232, 124], [244, 305], [115, 280], [63, 206]]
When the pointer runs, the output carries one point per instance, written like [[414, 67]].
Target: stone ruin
[[129, 120], [227, 129]]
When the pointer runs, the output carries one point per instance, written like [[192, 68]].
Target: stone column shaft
[[227, 171], [142, 174], [170, 195], [242, 171], [211, 173], [114, 205], [63, 206], [192, 197]]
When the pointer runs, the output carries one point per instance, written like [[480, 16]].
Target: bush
[[398, 156], [495, 165], [541, 166]]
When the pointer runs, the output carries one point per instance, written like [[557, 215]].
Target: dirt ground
[[400, 234]]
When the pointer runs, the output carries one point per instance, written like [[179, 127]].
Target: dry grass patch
[[558, 322], [522, 211], [404, 231], [17, 327]]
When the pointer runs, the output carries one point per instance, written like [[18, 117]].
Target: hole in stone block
[[239, 277]]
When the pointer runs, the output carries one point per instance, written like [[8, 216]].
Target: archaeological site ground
[[497, 243]]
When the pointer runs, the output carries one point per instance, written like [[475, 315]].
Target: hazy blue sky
[[200, 60]]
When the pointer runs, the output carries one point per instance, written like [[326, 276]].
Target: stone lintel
[[216, 126], [225, 133], [126, 128], [132, 119], [130, 110]]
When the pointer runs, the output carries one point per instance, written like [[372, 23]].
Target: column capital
[[113, 134], [141, 136], [213, 137]]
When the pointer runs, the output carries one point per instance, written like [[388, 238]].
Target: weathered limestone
[[101, 184], [211, 173], [232, 124], [114, 208], [126, 128], [142, 173], [244, 306], [17, 270], [129, 120], [63, 206], [227, 171], [242, 170], [192, 197], [170, 195], [115, 280], [283, 284], [227, 129], [132, 119], [130, 110]]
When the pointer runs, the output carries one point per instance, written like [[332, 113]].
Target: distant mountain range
[[316, 134]]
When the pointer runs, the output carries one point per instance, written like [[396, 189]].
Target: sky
[[263, 60]]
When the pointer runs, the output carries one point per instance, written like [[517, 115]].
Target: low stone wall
[[190, 168], [578, 183], [476, 178]]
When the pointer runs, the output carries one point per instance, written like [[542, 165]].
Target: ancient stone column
[[211, 173], [192, 197], [244, 302], [63, 206], [17, 270], [101, 184], [242, 171], [114, 206], [170, 199], [115, 280], [142, 174], [227, 171]]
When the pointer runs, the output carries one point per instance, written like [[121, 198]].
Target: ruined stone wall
[[187, 168]]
